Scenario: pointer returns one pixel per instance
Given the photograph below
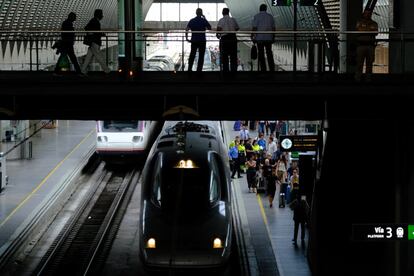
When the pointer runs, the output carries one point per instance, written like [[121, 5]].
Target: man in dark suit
[[94, 41], [66, 47]]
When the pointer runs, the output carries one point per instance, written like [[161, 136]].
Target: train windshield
[[122, 126], [190, 189]]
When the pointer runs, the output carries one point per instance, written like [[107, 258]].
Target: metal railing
[[313, 53]]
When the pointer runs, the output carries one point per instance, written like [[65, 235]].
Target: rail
[[313, 53]]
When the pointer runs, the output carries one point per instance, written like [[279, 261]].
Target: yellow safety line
[[262, 211], [45, 179]]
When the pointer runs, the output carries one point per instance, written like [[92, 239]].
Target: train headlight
[[151, 243], [186, 164], [217, 243], [102, 139], [137, 139]]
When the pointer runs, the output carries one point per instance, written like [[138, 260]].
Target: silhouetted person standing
[[94, 41], [264, 21], [198, 40], [300, 215], [366, 45], [228, 41], [68, 40]]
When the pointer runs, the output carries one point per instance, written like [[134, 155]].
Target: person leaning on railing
[[366, 45], [264, 21], [228, 41]]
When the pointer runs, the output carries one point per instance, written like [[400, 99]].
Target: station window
[[187, 11], [170, 11], [209, 11], [154, 13]]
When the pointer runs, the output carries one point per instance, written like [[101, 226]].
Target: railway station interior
[[87, 158]]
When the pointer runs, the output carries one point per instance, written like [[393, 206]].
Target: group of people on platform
[[261, 159]]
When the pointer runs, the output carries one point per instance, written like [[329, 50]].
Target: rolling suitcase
[[282, 195]]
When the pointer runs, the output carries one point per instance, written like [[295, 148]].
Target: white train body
[[120, 138]]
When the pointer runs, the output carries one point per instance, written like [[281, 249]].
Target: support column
[[401, 53], [130, 19], [350, 13]]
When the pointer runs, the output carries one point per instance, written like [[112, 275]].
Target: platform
[[271, 229], [56, 154]]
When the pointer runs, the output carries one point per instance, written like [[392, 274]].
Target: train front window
[[156, 181], [184, 188], [122, 126], [214, 180]]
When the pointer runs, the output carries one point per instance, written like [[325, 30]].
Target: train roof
[[188, 139]]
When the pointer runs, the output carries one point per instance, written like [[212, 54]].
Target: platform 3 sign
[[299, 142], [382, 232]]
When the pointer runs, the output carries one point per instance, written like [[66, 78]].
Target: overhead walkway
[[150, 94]]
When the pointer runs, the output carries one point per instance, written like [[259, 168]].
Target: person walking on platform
[[228, 41], [264, 21], [66, 47], [242, 156], [270, 181], [251, 174], [232, 143], [249, 148], [198, 40], [300, 215], [366, 45], [272, 147], [281, 172], [262, 126], [94, 41], [244, 134], [234, 159], [294, 184], [262, 142]]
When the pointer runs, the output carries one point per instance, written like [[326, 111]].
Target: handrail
[[206, 32]]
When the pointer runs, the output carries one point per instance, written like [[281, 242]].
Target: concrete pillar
[[401, 54], [139, 38], [350, 13], [130, 19], [1, 135]]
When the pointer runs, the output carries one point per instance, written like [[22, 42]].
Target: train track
[[81, 247]]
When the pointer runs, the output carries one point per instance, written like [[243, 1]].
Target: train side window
[[156, 181], [215, 186]]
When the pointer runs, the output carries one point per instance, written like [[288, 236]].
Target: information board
[[299, 142]]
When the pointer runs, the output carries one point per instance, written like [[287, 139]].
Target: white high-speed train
[[125, 138]]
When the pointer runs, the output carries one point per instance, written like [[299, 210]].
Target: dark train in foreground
[[186, 217]]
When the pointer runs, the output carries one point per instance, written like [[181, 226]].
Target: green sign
[[411, 232], [282, 2], [308, 2], [290, 2], [295, 154]]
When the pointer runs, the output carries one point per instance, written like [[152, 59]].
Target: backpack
[[88, 38]]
